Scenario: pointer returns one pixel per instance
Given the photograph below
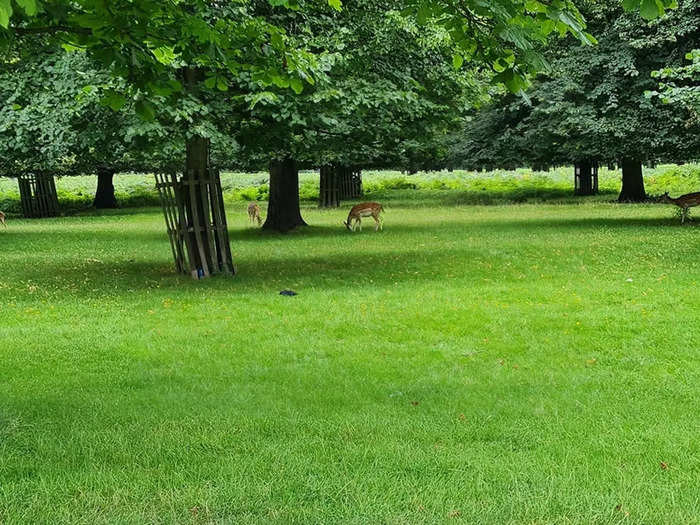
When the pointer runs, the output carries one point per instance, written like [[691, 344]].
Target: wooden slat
[[182, 225], [162, 189], [205, 219], [205, 232], [196, 224]]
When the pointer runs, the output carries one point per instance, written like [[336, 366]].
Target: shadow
[[92, 277], [492, 224], [86, 264], [582, 223]]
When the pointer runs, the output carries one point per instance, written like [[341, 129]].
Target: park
[[287, 261]]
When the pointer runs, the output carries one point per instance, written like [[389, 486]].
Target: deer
[[684, 202], [365, 209], [2, 219], [254, 213]]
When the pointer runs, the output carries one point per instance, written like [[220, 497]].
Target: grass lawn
[[477, 364]]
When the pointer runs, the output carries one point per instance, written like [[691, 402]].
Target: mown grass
[[75, 194], [476, 364]]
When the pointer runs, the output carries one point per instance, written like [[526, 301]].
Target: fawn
[[2, 219], [684, 202], [366, 209], [254, 213]]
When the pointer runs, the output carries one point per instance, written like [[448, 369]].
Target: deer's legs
[[377, 224]]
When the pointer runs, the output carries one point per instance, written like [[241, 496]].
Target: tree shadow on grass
[[92, 277], [92, 268]]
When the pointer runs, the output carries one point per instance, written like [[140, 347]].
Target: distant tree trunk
[[38, 195], [329, 192], [349, 181], [104, 196], [586, 178], [632, 182], [283, 213]]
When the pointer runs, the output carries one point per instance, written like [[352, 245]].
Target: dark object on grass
[[288, 292]]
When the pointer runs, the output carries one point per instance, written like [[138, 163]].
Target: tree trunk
[[283, 213], [197, 166], [104, 196], [328, 195], [193, 207], [632, 182], [586, 178]]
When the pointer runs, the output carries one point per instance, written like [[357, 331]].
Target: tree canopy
[[387, 89], [591, 105]]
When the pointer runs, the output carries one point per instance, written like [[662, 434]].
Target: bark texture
[[329, 190], [632, 182], [283, 213], [104, 196]]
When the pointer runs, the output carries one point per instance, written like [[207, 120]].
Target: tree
[[592, 106], [386, 95], [681, 84], [52, 124], [184, 50], [169, 54]]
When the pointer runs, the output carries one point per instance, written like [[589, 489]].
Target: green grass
[[459, 187], [476, 364]]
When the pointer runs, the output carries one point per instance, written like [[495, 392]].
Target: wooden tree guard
[[586, 178], [350, 182], [329, 192], [196, 222], [38, 195]]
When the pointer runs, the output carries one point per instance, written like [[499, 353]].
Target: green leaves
[[263, 96], [649, 9], [296, 84], [5, 13], [113, 100], [457, 60], [145, 110], [29, 6], [424, 13], [514, 81], [165, 54]]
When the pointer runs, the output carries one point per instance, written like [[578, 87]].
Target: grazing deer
[[684, 202], [254, 213], [366, 209], [2, 219]]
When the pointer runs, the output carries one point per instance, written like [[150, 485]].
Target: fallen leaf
[[414, 403], [462, 417], [454, 514], [664, 466]]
